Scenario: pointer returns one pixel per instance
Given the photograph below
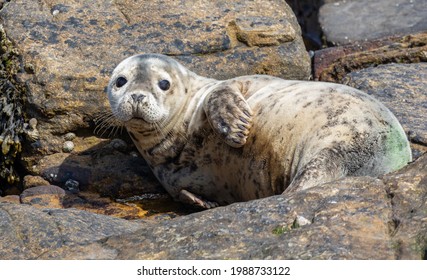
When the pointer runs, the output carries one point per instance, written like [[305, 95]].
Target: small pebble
[[302, 221], [34, 181], [68, 147], [134, 154], [55, 12], [32, 123], [70, 136]]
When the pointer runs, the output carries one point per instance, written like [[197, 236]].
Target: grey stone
[[34, 181], [408, 228], [72, 186], [68, 147], [353, 20], [70, 136], [42, 190], [43, 196], [30, 233]]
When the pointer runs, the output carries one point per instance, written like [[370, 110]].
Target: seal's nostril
[[137, 97]]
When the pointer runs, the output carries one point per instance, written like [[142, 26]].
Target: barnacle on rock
[[30, 130], [11, 114]]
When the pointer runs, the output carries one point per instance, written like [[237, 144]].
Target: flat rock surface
[[332, 64], [354, 218], [30, 233], [403, 89], [365, 19]]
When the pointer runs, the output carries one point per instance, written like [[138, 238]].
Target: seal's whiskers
[[106, 121]]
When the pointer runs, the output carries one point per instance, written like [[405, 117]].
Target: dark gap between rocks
[[307, 13]]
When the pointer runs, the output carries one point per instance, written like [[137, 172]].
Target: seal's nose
[[137, 97]]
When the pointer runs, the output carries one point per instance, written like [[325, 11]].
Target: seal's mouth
[[141, 120]]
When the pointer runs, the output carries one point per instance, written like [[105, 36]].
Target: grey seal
[[212, 142]]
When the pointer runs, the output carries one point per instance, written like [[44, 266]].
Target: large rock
[[333, 64], [407, 190], [29, 233], [361, 20], [353, 218]]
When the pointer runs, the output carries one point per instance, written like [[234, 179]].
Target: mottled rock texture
[[30, 233], [34, 181], [354, 218], [361, 20], [333, 64], [43, 196]]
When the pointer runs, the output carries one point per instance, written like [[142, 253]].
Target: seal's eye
[[121, 81], [164, 85]]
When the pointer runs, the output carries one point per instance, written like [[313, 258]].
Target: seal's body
[[215, 142]]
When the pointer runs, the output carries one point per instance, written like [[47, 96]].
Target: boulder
[[333, 64], [354, 218], [43, 196], [31, 181], [361, 20], [407, 188], [31, 233]]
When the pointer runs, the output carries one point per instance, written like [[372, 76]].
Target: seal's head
[[139, 88]]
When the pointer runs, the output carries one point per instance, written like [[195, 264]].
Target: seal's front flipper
[[195, 200], [229, 114]]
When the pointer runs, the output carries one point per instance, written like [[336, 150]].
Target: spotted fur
[[215, 142]]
